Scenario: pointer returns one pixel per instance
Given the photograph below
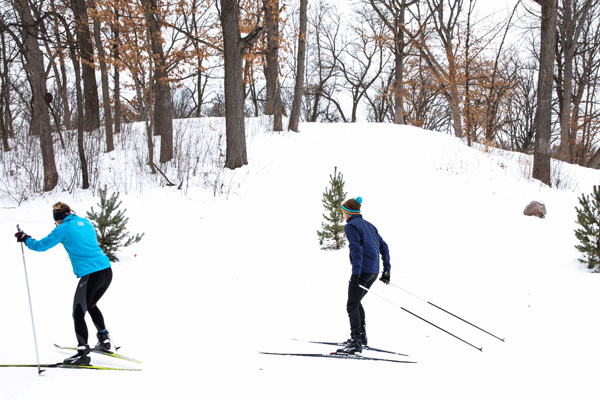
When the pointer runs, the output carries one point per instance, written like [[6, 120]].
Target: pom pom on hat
[[358, 200]]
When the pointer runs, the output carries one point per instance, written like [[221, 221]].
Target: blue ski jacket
[[78, 236], [366, 246]]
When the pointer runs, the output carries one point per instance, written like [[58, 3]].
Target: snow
[[215, 280]]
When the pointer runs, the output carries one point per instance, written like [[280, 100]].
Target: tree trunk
[[64, 95], [234, 49], [234, 86], [117, 78], [399, 112], [543, 118], [80, 111], [86, 51], [273, 102], [4, 81], [108, 121], [34, 67], [8, 120], [163, 113], [298, 88]]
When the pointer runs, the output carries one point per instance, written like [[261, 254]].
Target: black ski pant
[[356, 312], [89, 290]]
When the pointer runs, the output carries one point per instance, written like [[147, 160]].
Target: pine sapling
[[588, 217], [331, 236], [110, 223]]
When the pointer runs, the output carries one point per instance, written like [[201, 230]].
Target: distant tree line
[[525, 82]]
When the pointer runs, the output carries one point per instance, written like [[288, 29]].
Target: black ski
[[98, 351], [343, 344], [336, 355], [67, 366]]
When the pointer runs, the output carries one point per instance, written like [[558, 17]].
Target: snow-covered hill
[[215, 280]]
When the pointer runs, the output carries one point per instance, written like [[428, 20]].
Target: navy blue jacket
[[365, 247]]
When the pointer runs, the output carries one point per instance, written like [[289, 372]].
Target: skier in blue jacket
[[90, 265], [366, 246]]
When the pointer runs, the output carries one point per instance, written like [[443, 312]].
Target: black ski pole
[[422, 319], [37, 355], [448, 312]]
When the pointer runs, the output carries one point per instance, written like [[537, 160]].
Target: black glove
[[385, 277], [22, 236]]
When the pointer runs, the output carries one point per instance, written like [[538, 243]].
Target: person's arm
[[54, 238], [385, 254]]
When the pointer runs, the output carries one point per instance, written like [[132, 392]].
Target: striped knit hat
[[352, 206]]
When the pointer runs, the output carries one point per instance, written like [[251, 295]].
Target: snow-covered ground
[[215, 280]]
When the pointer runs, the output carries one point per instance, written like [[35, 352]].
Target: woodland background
[[76, 76]]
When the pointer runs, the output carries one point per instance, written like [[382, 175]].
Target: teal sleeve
[[55, 237]]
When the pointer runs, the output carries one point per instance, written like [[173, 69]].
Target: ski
[[67, 366], [106, 353], [343, 344], [342, 356]]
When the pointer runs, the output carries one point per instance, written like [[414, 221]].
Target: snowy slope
[[214, 281]]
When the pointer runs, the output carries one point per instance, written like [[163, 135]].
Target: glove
[[22, 236], [385, 277]]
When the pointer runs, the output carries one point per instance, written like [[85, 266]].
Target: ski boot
[[353, 346], [362, 339], [104, 343], [81, 358]]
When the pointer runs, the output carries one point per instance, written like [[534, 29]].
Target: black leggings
[[89, 290], [356, 312]]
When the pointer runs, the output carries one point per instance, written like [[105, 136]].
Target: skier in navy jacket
[[90, 264], [366, 245]]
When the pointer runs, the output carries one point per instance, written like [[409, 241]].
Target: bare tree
[[234, 48], [163, 114], [273, 104], [518, 129], [364, 57], [86, 49], [443, 18], [543, 118], [572, 17], [393, 15], [108, 120], [298, 88], [34, 67], [322, 64]]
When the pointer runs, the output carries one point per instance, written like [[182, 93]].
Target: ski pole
[[422, 319], [448, 312], [37, 355]]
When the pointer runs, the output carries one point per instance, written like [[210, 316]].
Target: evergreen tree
[[332, 236], [110, 225], [588, 216]]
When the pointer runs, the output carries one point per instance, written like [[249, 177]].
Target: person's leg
[[81, 331], [79, 309], [356, 312], [367, 281], [97, 286]]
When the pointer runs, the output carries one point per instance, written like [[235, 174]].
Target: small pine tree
[[332, 236], [588, 216], [110, 225]]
